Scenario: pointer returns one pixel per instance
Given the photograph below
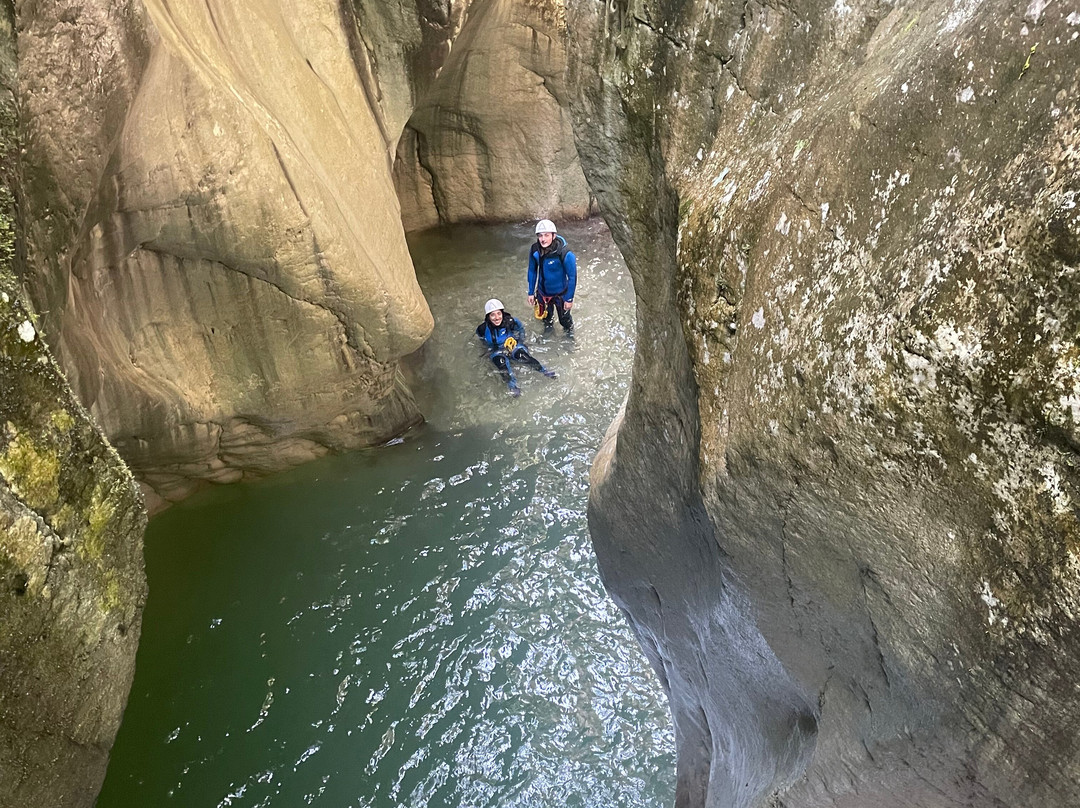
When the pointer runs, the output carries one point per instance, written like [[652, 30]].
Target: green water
[[421, 624]]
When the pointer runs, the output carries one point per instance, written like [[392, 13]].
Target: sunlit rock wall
[[491, 137], [71, 575], [840, 509], [214, 239]]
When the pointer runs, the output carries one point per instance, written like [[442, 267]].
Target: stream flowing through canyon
[[420, 624]]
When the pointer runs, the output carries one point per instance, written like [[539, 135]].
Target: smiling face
[[545, 239], [496, 317]]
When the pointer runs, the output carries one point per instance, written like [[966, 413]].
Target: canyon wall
[[214, 240], [491, 137], [71, 521], [209, 240], [840, 507], [72, 586]]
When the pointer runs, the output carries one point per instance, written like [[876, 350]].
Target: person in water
[[501, 334], [552, 276]]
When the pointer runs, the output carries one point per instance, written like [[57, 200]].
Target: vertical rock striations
[[840, 508], [71, 575], [215, 242], [491, 138], [215, 252]]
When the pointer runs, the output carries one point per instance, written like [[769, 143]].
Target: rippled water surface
[[421, 624]]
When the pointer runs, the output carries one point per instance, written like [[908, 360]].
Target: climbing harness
[[539, 305]]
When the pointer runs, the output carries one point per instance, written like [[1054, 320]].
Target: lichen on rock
[[72, 587], [71, 577], [865, 220]]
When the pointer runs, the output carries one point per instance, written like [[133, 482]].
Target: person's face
[[546, 239], [496, 317]]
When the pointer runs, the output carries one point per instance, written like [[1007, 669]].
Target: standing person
[[552, 276], [501, 333]]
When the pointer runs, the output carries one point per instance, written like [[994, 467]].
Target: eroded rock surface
[[215, 242], [840, 510], [215, 252], [214, 236], [72, 587], [491, 137], [71, 575]]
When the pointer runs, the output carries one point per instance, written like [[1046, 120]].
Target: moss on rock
[[72, 585], [31, 469]]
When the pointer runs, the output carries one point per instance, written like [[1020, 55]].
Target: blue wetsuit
[[494, 339], [553, 279]]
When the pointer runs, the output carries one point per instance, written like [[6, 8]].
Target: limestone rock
[[840, 509], [71, 576], [400, 47], [491, 138], [214, 238], [72, 587]]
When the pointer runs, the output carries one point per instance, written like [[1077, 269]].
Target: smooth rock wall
[[491, 137], [840, 510], [212, 245], [214, 238]]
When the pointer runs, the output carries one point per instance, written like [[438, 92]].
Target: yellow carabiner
[[510, 344]]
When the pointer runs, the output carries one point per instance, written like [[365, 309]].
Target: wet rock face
[[214, 239], [71, 576], [72, 587], [214, 251], [491, 137], [848, 464]]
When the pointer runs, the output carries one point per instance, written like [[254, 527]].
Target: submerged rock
[[840, 509]]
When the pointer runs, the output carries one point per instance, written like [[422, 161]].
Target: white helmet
[[545, 226], [493, 305]]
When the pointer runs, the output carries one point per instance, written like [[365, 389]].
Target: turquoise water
[[421, 624]]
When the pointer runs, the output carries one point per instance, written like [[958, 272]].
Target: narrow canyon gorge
[[839, 505]]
